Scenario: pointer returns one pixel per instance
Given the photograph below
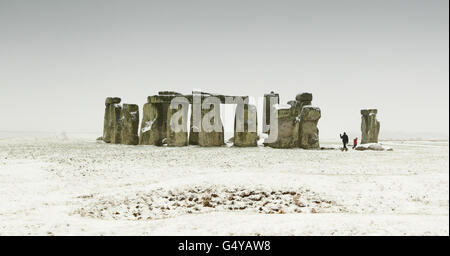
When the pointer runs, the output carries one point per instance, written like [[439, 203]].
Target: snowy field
[[79, 186]]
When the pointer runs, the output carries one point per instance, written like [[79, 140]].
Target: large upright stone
[[287, 134], [107, 121], [154, 124], [177, 135], [370, 126], [130, 124], [116, 127], [195, 121], [147, 135], [309, 133], [246, 126], [211, 137], [270, 100]]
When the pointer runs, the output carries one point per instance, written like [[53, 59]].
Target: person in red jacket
[[355, 142]]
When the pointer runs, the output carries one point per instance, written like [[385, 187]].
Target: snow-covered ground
[[79, 186]]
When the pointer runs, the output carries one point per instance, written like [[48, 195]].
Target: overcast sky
[[60, 59]]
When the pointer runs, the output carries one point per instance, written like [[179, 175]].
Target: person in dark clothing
[[344, 138]]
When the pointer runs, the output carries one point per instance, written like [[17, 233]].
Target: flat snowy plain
[[79, 186]]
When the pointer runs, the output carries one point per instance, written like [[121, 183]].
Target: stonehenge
[[166, 121], [370, 126], [165, 118]]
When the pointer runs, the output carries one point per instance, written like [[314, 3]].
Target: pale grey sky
[[60, 59]]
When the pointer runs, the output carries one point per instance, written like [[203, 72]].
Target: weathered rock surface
[[112, 100], [107, 121], [130, 124], [116, 126], [304, 97], [177, 135], [309, 133], [246, 127], [288, 130], [301, 100], [212, 138], [107, 125], [154, 124], [370, 126], [297, 124]]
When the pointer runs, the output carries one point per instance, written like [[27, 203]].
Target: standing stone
[[370, 126], [287, 133], [154, 124], [248, 137], [107, 121], [195, 124], [268, 108], [115, 115], [130, 124], [309, 133], [177, 138], [211, 138], [147, 134]]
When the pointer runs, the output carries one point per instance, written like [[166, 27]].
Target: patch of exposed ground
[[162, 203]]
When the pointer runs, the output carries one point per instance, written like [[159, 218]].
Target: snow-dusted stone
[[309, 133], [107, 121], [130, 124], [373, 146], [370, 126], [154, 124], [249, 122]]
